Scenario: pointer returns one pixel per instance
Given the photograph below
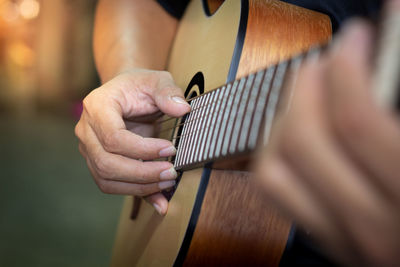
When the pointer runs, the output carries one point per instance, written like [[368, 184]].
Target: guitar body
[[218, 217]]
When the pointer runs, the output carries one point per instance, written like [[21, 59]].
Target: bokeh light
[[21, 54], [29, 9], [9, 11]]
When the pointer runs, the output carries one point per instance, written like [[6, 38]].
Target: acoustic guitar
[[234, 58]]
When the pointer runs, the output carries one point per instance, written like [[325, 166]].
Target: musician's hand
[[114, 133], [333, 161]]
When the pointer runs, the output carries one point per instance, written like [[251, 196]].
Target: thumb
[[169, 97], [159, 202]]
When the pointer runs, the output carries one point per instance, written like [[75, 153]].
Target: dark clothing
[[337, 10]]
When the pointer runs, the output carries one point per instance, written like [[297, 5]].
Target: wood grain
[[277, 31], [237, 226]]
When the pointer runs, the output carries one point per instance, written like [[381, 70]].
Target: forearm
[[131, 34]]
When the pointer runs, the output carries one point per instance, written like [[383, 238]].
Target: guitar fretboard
[[228, 121]]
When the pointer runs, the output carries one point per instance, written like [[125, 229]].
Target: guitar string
[[187, 123], [188, 100], [259, 87], [183, 123], [196, 119], [219, 100], [208, 92], [194, 131], [303, 56]]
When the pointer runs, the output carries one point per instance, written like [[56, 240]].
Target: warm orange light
[[29, 9], [9, 11], [21, 54]]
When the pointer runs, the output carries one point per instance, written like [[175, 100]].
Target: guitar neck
[[234, 118]]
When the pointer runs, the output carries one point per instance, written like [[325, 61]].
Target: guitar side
[[233, 222]]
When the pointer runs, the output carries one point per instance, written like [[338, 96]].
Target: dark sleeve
[[340, 10], [174, 7]]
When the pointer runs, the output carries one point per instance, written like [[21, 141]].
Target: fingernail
[[157, 208], [179, 100], [166, 184], [168, 174], [166, 152]]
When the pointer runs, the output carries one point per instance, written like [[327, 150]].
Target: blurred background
[[51, 212]]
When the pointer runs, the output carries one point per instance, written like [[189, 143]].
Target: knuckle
[[111, 142], [142, 147], [102, 167], [104, 186], [78, 130], [141, 191], [86, 102], [91, 102], [145, 190], [141, 176]]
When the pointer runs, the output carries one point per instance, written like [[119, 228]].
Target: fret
[[209, 125], [262, 99], [228, 119], [240, 114], [206, 128], [179, 150], [232, 115], [181, 145], [200, 131], [255, 90], [225, 96], [273, 99], [189, 135], [213, 125], [227, 111], [192, 128], [197, 129]]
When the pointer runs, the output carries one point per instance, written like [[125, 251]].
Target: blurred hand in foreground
[[332, 162]]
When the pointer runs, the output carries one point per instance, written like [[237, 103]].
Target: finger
[[286, 188], [169, 97], [159, 202], [326, 168], [356, 207], [369, 133], [111, 131], [119, 168], [122, 188]]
